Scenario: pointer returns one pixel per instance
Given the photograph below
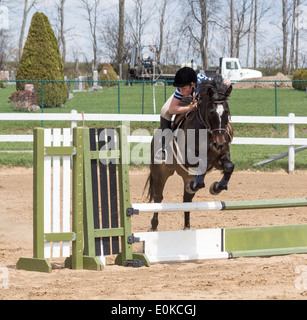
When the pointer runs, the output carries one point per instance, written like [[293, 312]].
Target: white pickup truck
[[230, 68]]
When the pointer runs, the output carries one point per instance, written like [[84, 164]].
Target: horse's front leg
[[187, 197], [198, 183], [154, 222], [217, 187]]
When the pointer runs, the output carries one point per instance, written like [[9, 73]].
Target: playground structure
[[54, 232]]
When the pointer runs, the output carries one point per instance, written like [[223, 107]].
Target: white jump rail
[[74, 117], [57, 186]]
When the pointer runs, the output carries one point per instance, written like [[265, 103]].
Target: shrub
[[24, 100], [300, 75], [41, 60], [107, 73]]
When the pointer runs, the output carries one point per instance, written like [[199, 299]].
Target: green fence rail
[[249, 97]]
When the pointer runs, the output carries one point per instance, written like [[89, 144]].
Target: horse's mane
[[216, 85]]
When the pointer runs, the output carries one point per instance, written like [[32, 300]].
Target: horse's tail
[[149, 184]]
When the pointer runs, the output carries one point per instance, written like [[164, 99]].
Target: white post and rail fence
[[291, 120]]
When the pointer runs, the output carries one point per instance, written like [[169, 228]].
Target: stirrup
[[160, 156]]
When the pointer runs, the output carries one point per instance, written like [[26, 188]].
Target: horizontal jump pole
[[280, 156], [220, 205]]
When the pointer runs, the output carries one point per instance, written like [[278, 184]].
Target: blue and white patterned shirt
[[202, 76]]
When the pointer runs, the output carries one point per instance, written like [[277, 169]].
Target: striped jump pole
[[220, 205], [166, 246]]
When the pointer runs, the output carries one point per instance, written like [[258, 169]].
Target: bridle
[[205, 122]]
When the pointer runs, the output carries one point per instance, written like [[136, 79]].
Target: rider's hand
[[193, 105], [227, 82]]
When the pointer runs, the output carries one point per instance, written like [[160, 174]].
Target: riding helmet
[[185, 76]]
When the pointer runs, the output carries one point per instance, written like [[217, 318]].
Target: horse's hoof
[[188, 188], [186, 228], [152, 230], [213, 189]]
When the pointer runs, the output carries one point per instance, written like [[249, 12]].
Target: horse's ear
[[228, 91]]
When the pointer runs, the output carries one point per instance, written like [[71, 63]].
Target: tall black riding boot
[[161, 155]]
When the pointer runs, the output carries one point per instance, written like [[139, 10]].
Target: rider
[[182, 101]]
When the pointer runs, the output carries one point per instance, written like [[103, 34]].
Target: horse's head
[[214, 110]]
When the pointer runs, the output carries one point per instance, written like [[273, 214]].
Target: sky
[[78, 35]]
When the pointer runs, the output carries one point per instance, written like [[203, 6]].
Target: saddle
[[179, 120]]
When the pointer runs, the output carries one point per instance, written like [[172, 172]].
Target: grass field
[[138, 99], [242, 155]]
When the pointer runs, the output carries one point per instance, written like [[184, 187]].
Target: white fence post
[[291, 134], [74, 123]]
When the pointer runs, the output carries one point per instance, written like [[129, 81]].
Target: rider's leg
[[165, 123], [161, 153]]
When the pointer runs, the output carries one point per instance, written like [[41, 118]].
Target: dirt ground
[[280, 277], [266, 82]]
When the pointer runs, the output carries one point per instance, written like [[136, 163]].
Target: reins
[[205, 123]]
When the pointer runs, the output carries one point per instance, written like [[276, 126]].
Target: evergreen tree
[[41, 60]]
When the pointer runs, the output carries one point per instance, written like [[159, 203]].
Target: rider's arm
[[175, 108]]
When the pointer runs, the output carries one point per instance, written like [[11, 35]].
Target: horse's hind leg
[[158, 186], [217, 187]]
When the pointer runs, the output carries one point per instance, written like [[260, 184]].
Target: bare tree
[[260, 11], [285, 35], [27, 8], [162, 22], [137, 21], [255, 32], [288, 15], [232, 29], [61, 38], [121, 30], [109, 35], [249, 32], [4, 37], [93, 11], [242, 11], [3, 47], [170, 55], [271, 59], [292, 39], [248, 17], [297, 34], [195, 27]]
